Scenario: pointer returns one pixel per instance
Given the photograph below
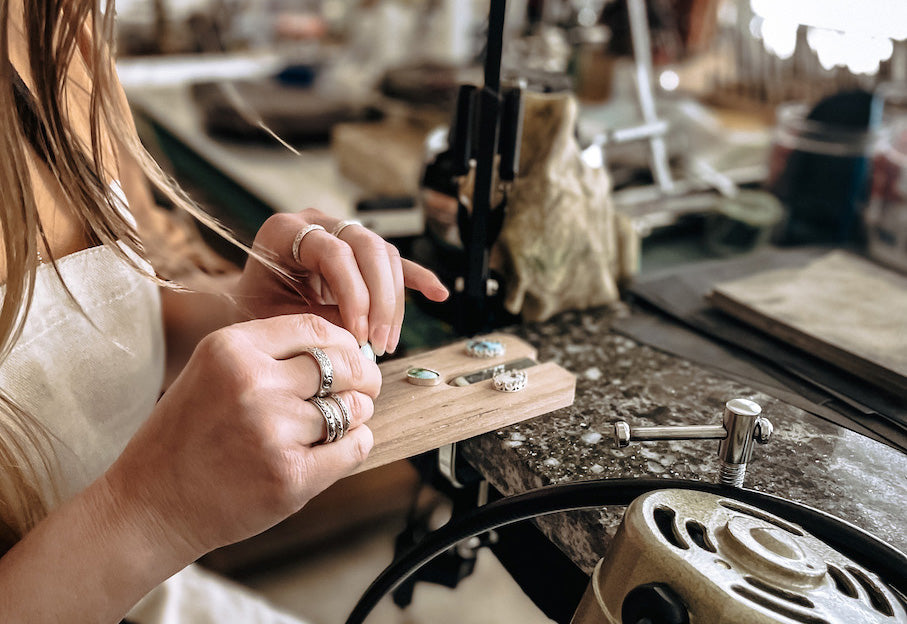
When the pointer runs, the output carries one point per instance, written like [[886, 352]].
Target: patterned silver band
[[341, 225], [345, 410], [302, 234], [333, 427], [327, 370]]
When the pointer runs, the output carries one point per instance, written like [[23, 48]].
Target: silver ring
[[333, 428], [485, 348], [347, 420], [510, 381], [302, 234], [343, 224], [419, 376], [327, 370]]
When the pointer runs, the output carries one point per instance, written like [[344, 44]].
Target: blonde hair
[[55, 30]]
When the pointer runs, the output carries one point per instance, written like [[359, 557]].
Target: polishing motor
[[683, 556]]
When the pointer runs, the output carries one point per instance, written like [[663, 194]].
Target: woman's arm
[[90, 560], [232, 448]]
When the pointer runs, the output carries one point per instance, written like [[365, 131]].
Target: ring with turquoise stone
[[481, 348], [423, 376]]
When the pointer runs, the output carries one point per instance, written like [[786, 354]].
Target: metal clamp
[[742, 425]]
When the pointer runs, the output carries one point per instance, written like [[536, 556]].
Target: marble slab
[[808, 459]]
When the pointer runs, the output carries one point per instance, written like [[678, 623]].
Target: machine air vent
[[755, 513], [700, 535], [784, 594], [782, 609], [664, 518], [842, 581], [876, 596]]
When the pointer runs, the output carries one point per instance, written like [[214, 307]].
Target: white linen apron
[[91, 380]]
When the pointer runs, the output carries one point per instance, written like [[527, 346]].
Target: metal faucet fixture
[[742, 426]]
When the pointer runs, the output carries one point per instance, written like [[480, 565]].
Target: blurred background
[[721, 126]]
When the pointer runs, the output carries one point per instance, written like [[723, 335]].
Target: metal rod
[[642, 52], [682, 432], [497, 12], [624, 433], [488, 124]]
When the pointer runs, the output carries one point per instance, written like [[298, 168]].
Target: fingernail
[[394, 339], [380, 339], [362, 330]]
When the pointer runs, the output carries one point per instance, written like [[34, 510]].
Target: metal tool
[[742, 426], [642, 53]]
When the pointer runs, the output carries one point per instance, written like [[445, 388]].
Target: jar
[[885, 216], [820, 172]]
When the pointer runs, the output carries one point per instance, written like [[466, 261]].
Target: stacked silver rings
[[344, 410], [326, 368], [336, 414]]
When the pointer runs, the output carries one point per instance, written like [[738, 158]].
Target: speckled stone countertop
[[808, 459]]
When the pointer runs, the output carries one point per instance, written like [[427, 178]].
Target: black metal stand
[[487, 124]]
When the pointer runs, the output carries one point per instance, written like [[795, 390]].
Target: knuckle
[[338, 251], [229, 362], [386, 303], [362, 406], [393, 252], [251, 400], [354, 363], [217, 342], [375, 246], [363, 446], [314, 326], [311, 215], [281, 222], [222, 349]]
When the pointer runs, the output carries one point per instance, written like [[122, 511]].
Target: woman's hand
[[355, 279], [233, 446]]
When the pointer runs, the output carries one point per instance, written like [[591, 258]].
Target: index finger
[[419, 278], [283, 337]]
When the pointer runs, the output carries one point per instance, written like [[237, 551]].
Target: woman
[[105, 492]]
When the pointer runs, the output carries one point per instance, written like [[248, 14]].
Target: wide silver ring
[[332, 425], [510, 381], [347, 420], [302, 234], [327, 370], [341, 225]]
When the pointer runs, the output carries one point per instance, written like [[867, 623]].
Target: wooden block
[[839, 308], [412, 419]]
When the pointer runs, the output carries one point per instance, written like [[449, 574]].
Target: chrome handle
[[742, 426]]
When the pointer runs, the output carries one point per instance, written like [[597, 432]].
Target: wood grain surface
[[840, 308], [412, 419]]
